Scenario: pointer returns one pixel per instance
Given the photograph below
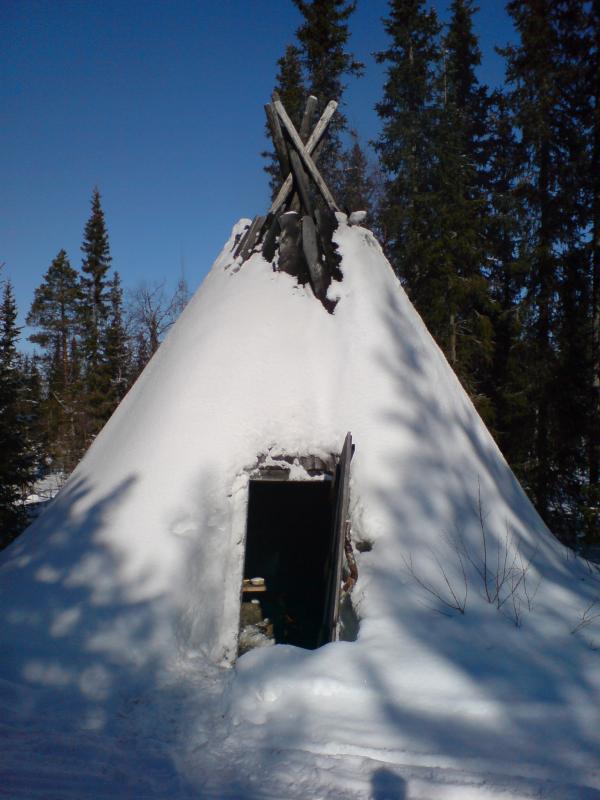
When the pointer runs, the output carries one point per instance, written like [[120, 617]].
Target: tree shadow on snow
[[386, 785], [535, 677], [522, 720], [80, 657]]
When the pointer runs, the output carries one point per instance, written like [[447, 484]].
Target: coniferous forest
[[486, 201], [91, 345]]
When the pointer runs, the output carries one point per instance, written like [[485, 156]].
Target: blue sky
[[159, 104]]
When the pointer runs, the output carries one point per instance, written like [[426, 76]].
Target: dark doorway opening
[[290, 545]]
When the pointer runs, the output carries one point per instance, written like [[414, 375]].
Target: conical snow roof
[[137, 563]]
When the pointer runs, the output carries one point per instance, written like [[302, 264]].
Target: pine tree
[[95, 266], [323, 37], [453, 292], [540, 72], [94, 317], [17, 461], [357, 183], [506, 273], [289, 85], [573, 299], [32, 410], [463, 91], [116, 358], [55, 312], [407, 145], [462, 207], [592, 75]]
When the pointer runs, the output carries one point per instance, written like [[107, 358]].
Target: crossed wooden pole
[[297, 153]]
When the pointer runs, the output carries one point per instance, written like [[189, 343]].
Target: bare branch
[[450, 602], [587, 618]]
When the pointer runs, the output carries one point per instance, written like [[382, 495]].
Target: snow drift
[[475, 671]]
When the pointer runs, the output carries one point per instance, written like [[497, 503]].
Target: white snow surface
[[120, 603]]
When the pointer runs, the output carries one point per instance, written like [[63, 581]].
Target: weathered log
[[313, 141], [291, 257], [326, 225], [310, 247], [278, 140], [242, 240], [251, 237], [294, 203], [305, 156], [300, 199], [298, 175], [307, 118], [302, 183], [269, 245]]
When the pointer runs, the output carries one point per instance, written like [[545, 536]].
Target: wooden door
[[340, 523]]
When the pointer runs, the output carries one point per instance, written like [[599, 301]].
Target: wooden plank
[[242, 241], [278, 140], [307, 118], [305, 156], [291, 259], [301, 200], [326, 224], [269, 245], [313, 141], [310, 247], [302, 183], [252, 237], [339, 537]]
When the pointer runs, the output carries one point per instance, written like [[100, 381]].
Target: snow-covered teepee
[[470, 664]]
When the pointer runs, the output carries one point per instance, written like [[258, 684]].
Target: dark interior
[[288, 543]]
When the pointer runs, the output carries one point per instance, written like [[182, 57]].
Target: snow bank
[[127, 586]]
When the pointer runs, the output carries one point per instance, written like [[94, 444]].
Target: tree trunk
[[545, 272], [594, 444]]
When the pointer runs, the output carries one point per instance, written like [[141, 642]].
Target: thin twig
[[586, 619]]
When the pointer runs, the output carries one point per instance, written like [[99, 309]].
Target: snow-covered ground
[[476, 671]]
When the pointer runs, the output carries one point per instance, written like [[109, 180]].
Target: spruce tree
[[573, 301], [94, 317], [592, 75], [406, 145], [357, 182], [289, 85], [55, 312], [453, 293], [17, 460], [116, 357], [506, 230], [323, 38], [544, 110], [32, 410], [95, 266]]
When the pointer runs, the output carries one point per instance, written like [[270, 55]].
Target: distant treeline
[[91, 346]]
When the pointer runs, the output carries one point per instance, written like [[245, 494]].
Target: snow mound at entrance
[[122, 599]]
